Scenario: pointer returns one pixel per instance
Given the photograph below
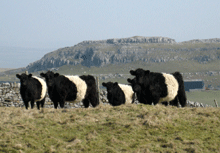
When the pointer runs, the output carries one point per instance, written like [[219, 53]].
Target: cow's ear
[[129, 80], [43, 74], [104, 84], [30, 75], [132, 72], [147, 72], [115, 84], [56, 74], [18, 76]]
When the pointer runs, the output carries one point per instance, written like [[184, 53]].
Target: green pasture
[[126, 128], [204, 96]]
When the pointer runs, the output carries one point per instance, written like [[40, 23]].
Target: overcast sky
[[60, 23]]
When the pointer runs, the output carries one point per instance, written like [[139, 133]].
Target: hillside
[[125, 128], [112, 59], [4, 69], [128, 50]]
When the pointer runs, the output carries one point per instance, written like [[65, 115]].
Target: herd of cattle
[[149, 87]]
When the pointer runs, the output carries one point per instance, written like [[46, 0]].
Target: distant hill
[[4, 69], [112, 59], [127, 50]]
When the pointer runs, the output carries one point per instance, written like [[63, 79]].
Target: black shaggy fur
[[91, 93], [61, 89], [115, 94], [141, 97], [154, 87], [30, 90], [181, 95]]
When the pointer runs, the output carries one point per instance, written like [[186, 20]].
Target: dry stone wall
[[10, 97]]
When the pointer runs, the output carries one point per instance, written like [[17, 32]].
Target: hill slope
[[126, 128], [128, 50]]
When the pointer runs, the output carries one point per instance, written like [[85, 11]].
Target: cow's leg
[[156, 100], [86, 102], [148, 100], [165, 103], [182, 97], [155, 95], [62, 102], [32, 104], [38, 105], [181, 91], [55, 103], [93, 100], [26, 104], [42, 103], [174, 102]]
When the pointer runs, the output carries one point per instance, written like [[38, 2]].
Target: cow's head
[[50, 77], [24, 78], [141, 96], [135, 86], [110, 86], [140, 74]]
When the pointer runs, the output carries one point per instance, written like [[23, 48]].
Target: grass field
[[187, 67], [168, 67], [126, 128], [205, 97]]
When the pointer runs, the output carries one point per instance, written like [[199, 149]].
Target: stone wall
[[10, 97]]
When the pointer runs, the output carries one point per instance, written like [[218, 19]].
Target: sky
[[52, 24]]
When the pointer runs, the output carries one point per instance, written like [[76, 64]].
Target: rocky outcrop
[[214, 40], [127, 50], [139, 39]]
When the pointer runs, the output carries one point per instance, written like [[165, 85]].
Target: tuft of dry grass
[[125, 128]]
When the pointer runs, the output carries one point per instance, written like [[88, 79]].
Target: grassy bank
[[189, 68], [126, 128], [204, 96]]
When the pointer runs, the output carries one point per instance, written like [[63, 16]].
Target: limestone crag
[[127, 50], [214, 40]]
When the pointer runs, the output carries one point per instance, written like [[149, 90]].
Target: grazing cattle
[[32, 89], [71, 88], [161, 87], [118, 94]]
